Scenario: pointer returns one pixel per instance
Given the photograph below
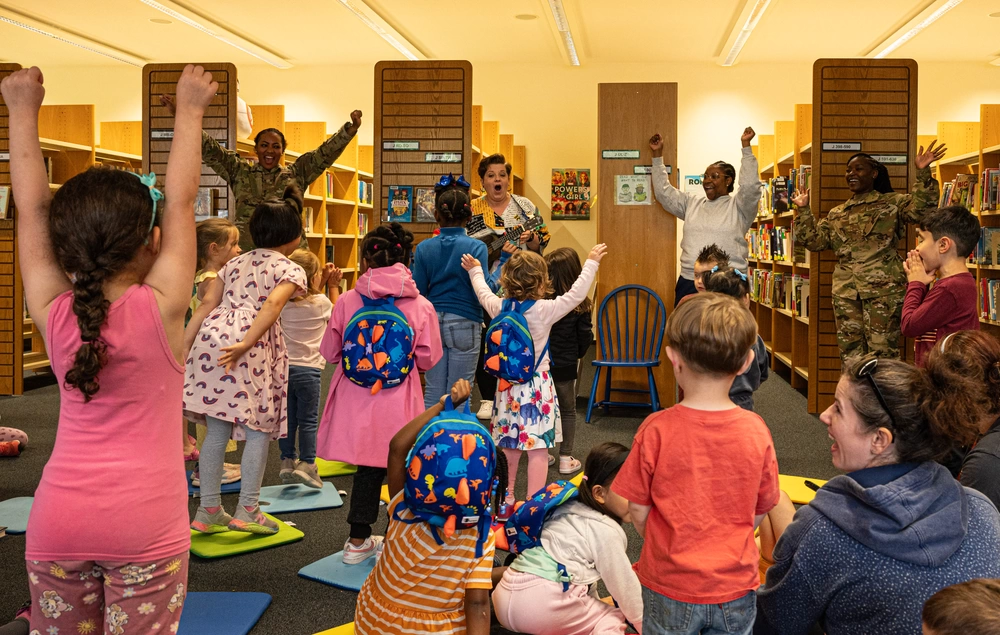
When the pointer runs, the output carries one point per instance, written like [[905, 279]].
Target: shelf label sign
[[161, 134], [400, 145], [619, 154], [890, 159], [842, 146], [647, 169], [442, 157], [4, 156]]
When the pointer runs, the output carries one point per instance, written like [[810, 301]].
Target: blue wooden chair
[[630, 326]]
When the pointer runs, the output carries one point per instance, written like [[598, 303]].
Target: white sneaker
[[569, 465], [372, 546], [552, 460], [485, 412]]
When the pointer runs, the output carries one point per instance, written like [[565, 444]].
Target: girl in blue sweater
[[438, 274]]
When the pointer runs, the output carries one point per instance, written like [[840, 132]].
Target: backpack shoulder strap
[[525, 305]]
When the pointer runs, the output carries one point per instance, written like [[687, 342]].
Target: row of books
[[989, 192], [960, 191], [798, 302], [987, 251], [362, 223], [780, 290], [988, 290], [768, 242], [778, 191], [364, 192]]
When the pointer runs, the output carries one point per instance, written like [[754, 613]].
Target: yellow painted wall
[[552, 109]]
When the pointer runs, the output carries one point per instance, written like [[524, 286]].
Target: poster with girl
[[570, 194]]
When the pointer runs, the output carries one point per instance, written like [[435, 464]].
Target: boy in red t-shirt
[[947, 237], [700, 478]]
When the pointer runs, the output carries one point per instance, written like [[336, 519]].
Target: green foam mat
[[334, 468], [234, 543]]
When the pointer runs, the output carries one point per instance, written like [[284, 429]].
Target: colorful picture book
[[571, 194], [401, 203], [425, 205]]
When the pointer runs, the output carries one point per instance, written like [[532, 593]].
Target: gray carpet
[[302, 607]]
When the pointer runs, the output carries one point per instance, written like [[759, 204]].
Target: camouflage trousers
[[868, 326]]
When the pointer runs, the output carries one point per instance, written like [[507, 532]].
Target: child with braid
[[107, 265]]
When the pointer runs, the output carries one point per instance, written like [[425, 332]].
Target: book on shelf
[[307, 215], [330, 184], [799, 300], [362, 223], [401, 203], [364, 192], [987, 251], [988, 298], [329, 253], [960, 191], [4, 201], [779, 195], [424, 205]]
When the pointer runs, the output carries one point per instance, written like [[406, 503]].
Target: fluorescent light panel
[[222, 35], [741, 38], [399, 43], [917, 28], [562, 25], [30, 24]]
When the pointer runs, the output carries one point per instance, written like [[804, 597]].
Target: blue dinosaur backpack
[[450, 475], [510, 350], [524, 527], [378, 345]]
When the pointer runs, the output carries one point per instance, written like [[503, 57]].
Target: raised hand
[[195, 89], [801, 198], [355, 121], [469, 263], [932, 154], [168, 101], [656, 145], [748, 135], [459, 392], [914, 268], [23, 90], [598, 252]]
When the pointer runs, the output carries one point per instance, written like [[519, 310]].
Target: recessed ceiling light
[[525, 16], [160, 21]]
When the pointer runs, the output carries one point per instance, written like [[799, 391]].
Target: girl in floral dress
[[525, 415], [237, 367]]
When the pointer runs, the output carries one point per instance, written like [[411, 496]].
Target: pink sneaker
[[372, 546]]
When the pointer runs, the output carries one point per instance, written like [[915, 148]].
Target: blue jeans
[[460, 338], [303, 413], [663, 616]]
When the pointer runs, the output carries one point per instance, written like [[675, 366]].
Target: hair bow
[[449, 180], [740, 274], [149, 180]]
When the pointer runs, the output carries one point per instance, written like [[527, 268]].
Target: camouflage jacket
[[865, 232], [252, 184]]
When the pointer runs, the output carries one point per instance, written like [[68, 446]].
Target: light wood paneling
[[11, 292], [122, 136]]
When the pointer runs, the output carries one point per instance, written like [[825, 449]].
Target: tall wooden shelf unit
[[11, 293], [785, 332]]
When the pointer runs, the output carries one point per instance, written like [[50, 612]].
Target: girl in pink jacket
[[359, 421]]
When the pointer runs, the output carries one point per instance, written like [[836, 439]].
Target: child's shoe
[[287, 467], [231, 474], [552, 460], [307, 474], [253, 522], [211, 523], [569, 465], [485, 412], [10, 448], [372, 546]]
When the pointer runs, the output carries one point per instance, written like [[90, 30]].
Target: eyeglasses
[[867, 370]]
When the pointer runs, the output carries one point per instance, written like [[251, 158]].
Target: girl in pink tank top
[[103, 548]]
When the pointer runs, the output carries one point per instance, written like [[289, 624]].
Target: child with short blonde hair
[[526, 414], [304, 321], [704, 454]]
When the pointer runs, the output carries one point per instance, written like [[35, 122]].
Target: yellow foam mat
[[346, 629], [385, 494], [796, 488], [334, 468]]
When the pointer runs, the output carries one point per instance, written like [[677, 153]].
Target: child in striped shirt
[[426, 581]]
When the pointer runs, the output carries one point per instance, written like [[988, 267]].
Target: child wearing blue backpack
[[525, 410], [436, 573], [381, 335], [566, 541]]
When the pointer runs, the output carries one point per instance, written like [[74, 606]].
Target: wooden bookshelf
[[11, 292], [787, 332]]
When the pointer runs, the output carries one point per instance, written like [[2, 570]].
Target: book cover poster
[[633, 189], [570, 194], [401, 203], [203, 204], [425, 205], [692, 183]]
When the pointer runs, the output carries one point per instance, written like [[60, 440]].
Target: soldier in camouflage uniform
[[869, 282], [253, 182]]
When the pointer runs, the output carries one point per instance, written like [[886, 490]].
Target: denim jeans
[[460, 352], [663, 616], [303, 413]]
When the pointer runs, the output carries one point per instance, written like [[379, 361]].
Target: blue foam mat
[[279, 499], [227, 488], [14, 514], [332, 570], [222, 613]]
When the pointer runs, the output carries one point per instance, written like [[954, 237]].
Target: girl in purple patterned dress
[[237, 366]]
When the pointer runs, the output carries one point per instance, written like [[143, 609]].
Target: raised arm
[[44, 280], [672, 199], [554, 310], [748, 193], [171, 274], [310, 166], [487, 298], [925, 192], [226, 163]]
